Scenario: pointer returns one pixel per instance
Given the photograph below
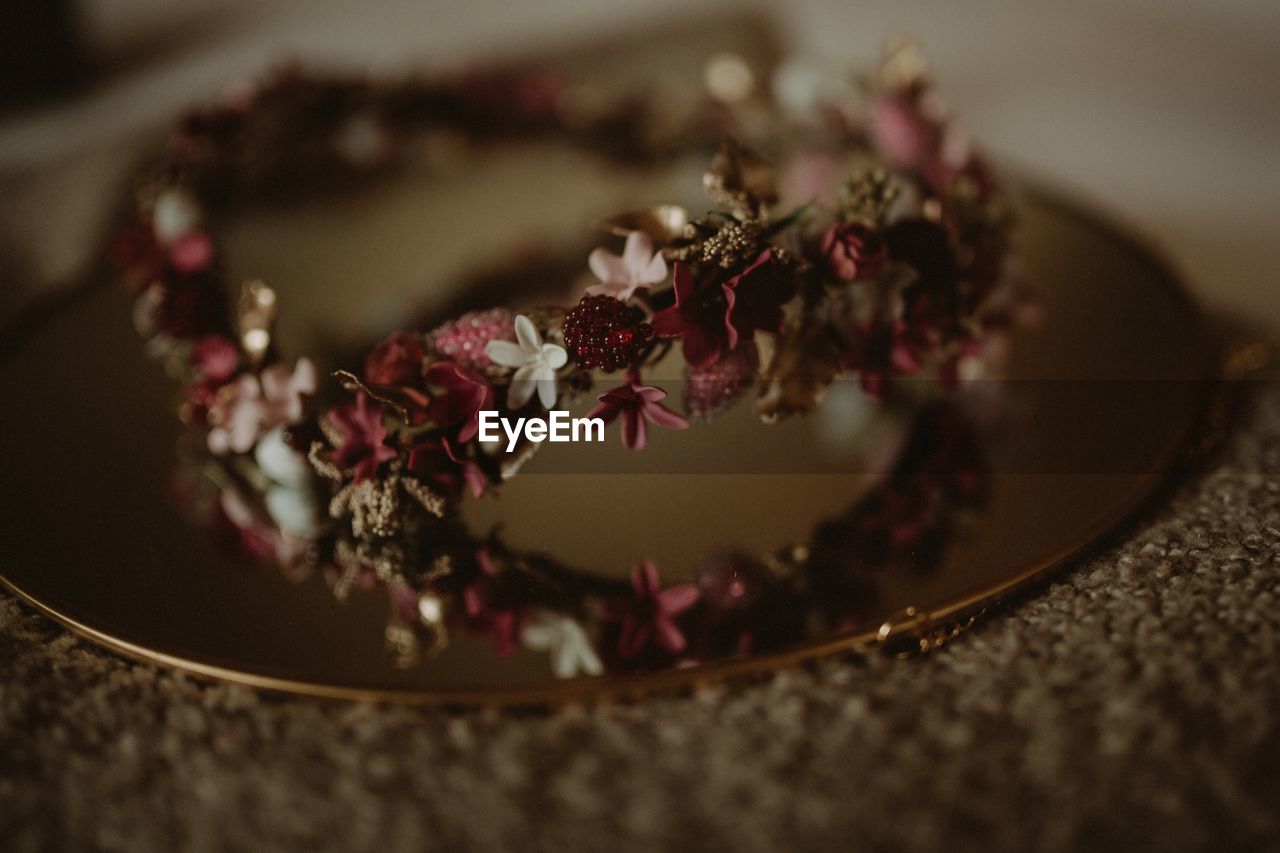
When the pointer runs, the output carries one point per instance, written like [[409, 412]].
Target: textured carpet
[[1134, 703]]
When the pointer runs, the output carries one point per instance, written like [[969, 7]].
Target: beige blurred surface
[[1161, 111]]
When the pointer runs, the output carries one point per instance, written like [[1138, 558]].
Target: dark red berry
[[605, 333]]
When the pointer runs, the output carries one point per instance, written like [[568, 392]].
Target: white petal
[[538, 637], [609, 289], [564, 663], [281, 462], [607, 266], [576, 638], [527, 335], [304, 377], [588, 661], [554, 356], [655, 271], [176, 214], [506, 353], [293, 510], [219, 441], [275, 382], [547, 390], [638, 250], [237, 508], [522, 387]]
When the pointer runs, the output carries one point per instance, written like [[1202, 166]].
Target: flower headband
[[905, 274]]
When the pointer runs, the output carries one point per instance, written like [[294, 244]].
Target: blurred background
[[1163, 112]]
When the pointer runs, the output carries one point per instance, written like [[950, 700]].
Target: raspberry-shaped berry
[[605, 333]]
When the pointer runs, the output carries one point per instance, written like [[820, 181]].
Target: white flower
[[290, 499], [564, 638], [176, 215], [294, 510], [281, 462], [535, 364], [638, 266]]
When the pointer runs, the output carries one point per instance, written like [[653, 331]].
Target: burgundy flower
[[884, 349], [395, 361], [731, 580], [137, 255], [712, 320], [853, 251], [188, 307], [636, 404], [364, 447], [650, 615], [447, 468], [694, 318], [462, 399], [479, 599], [755, 298]]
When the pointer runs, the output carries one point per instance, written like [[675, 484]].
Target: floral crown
[[905, 273]]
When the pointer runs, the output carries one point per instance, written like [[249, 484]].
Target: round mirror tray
[[861, 526]]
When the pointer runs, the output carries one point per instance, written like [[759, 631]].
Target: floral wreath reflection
[[270, 508]]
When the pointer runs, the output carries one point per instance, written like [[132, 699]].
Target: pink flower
[[651, 614], [712, 320], [464, 339], [364, 447], [712, 389], [903, 132], [395, 361], [636, 404], [215, 357], [853, 251], [254, 404], [463, 398], [191, 253], [621, 275]]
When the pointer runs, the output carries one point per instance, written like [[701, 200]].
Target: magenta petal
[[648, 393], [644, 579], [668, 323], [474, 478], [730, 297], [678, 598], [472, 600], [664, 417], [606, 411], [632, 637], [668, 635], [700, 350], [633, 429], [904, 360], [682, 283]]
